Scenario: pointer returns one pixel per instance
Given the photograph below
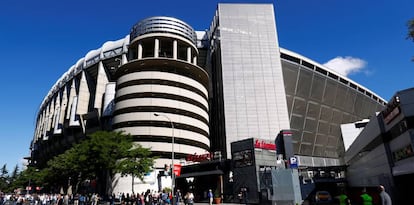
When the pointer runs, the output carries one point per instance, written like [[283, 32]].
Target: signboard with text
[[262, 144]]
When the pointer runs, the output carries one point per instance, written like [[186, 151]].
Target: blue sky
[[40, 40]]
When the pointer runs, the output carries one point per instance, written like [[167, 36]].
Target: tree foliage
[[410, 26], [18, 179], [4, 178], [410, 35], [137, 162], [101, 154], [98, 156]]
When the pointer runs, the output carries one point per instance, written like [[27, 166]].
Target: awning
[[195, 174]]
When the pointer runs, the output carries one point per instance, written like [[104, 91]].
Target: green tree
[[15, 173], [136, 163], [100, 156], [68, 165], [29, 177], [410, 35], [3, 171], [4, 177], [410, 26]]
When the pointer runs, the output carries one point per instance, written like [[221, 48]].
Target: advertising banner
[[177, 169]]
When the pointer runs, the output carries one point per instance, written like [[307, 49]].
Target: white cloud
[[24, 163], [346, 65]]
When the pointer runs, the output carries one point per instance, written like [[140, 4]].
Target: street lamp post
[[172, 155]]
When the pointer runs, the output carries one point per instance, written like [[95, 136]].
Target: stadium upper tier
[[112, 49]]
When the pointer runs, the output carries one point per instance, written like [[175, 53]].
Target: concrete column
[[175, 47], [189, 54], [156, 48], [139, 51], [195, 60], [124, 59]]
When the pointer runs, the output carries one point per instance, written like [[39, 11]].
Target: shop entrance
[[403, 189]]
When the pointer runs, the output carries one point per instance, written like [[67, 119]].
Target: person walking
[[366, 198], [178, 197], [343, 198], [190, 198], [66, 199], [82, 199], [210, 197], [385, 197], [59, 200]]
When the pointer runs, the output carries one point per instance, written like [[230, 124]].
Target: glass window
[[148, 48], [320, 70], [182, 51], [166, 48], [307, 64], [289, 58]]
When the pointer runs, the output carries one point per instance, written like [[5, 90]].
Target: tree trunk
[[133, 184]]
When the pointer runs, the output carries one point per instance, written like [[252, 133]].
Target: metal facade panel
[[254, 95]]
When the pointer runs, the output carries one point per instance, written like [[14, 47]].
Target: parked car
[[323, 197]]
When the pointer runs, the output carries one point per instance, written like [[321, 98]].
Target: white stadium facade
[[214, 87]]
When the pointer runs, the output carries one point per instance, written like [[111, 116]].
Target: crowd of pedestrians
[[144, 198], [48, 199], [365, 198], [154, 198]]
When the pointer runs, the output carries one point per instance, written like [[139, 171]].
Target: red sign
[[177, 169], [264, 145], [200, 158], [287, 133]]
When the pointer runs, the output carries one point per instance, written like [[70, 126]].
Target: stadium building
[[204, 90]]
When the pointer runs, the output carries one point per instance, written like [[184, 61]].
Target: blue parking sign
[[293, 161]]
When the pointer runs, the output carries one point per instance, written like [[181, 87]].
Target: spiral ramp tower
[[162, 77]]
